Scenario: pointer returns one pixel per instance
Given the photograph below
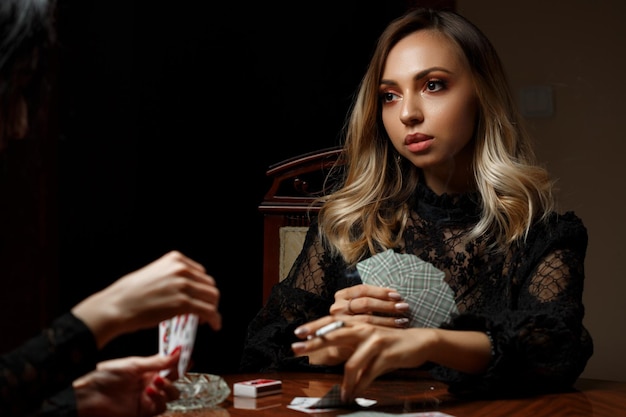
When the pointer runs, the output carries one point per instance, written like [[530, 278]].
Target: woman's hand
[[384, 306], [171, 285], [371, 350], [365, 303], [128, 387]]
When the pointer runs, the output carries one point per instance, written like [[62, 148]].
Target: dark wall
[[171, 113]]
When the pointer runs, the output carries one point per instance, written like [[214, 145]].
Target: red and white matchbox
[[257, 387]]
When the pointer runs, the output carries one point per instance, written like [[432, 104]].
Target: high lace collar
[[453, 208]]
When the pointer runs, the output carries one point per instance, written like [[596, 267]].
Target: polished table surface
[[400, 394]]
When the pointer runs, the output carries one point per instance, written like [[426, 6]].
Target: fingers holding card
[[187, 340], [178, 332]]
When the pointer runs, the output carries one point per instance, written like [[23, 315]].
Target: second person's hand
[[171, 285], [127, 387]]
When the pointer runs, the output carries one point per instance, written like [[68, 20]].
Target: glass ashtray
[[199, 390]]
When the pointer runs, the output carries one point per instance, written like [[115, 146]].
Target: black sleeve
[[539, 341], [62, 404], [305, 294], [45, 365]]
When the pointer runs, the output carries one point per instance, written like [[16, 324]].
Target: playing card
[[422, 286], [186, 339], [331, 399], [165, 334], [178, 332]]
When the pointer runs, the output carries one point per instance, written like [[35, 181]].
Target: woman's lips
[[418, 142]]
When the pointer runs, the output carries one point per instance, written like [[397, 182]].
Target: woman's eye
[[435, 85], [389, 97]]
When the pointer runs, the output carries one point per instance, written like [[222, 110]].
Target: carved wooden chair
[[288, 209]]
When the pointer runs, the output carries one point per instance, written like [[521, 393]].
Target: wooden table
[[399, 394]]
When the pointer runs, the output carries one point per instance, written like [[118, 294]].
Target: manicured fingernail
[[150, 390], [175, 351], [298, 346], [402, 306], [402, 322], [301, 330], [394, 296]]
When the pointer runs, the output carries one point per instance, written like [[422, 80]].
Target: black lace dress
[[36, 379], [528, 299]]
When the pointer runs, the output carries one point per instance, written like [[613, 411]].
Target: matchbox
[[257, 387]]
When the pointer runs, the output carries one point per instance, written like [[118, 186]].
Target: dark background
[[169, 115]]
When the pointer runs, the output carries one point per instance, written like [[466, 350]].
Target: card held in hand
[[332, 399], [420, 283], [178, 332]]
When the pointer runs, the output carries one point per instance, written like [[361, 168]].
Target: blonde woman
[[438, 166]]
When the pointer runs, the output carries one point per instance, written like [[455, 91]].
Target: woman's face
[[429, 108]]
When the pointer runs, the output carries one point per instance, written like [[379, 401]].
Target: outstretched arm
[[171, 285], [376, 350]]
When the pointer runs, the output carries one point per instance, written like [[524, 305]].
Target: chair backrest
[[288, 209]]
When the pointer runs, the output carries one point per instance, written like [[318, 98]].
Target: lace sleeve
[[45, 365], [539, 341], [304, 295]]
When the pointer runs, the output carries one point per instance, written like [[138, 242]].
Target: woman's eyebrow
[[387, 82], [419, 75]]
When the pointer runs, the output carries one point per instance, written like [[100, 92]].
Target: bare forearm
[[169, 286], [465, 351], [101, 317]]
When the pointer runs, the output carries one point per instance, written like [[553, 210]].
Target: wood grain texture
[[400, 393]]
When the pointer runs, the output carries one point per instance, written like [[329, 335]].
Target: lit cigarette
[[329, 328]]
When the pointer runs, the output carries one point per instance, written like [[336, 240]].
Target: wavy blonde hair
[[368, 213]]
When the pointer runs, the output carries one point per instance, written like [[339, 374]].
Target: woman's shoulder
[[566, 220], [565, 227]]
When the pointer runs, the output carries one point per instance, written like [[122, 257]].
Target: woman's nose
[[411, 112]]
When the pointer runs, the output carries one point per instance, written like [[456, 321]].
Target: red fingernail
[[158, 380], [150, 390], [175, 351]]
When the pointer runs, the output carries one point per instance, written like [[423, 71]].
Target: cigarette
[[329, 328]]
